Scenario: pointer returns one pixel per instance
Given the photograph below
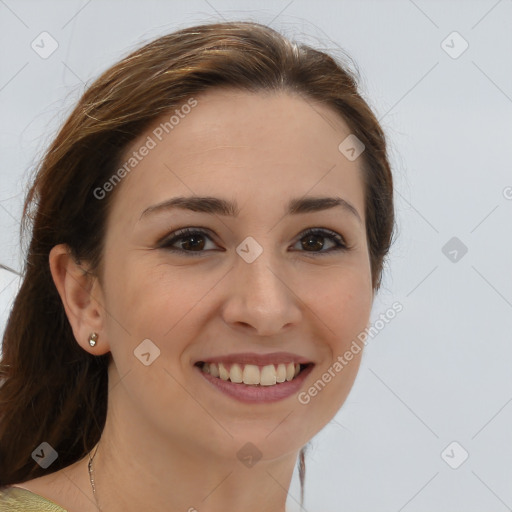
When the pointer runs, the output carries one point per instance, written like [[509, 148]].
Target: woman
[[209, 230]]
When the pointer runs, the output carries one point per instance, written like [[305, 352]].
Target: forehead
[[257, 148]]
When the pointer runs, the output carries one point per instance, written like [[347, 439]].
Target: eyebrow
[[218, 206]]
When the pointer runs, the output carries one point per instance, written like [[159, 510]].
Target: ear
[[82, 297]]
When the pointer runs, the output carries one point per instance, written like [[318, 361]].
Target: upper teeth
[[251, 374]]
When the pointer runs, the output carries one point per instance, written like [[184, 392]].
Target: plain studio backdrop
[[427, 423]]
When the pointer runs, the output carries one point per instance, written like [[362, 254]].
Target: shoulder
[[16, 499]]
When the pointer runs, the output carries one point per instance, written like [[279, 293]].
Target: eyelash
[[180, 234]]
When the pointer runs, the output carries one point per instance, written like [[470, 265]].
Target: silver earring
[[93, 338]]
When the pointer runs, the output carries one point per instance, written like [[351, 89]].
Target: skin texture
[[171, 439]]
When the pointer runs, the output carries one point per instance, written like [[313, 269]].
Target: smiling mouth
[[253, 375]]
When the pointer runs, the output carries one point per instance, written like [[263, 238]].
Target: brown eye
[[187, 241], [192, 241], [313, 241]]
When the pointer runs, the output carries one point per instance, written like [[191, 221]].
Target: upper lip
[[257, 359]]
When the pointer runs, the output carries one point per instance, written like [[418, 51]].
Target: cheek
[[343, 302], [350, 314], [166, 305], [344, 309], [153, 298]]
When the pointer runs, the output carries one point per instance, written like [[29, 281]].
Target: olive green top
[[16, 499]]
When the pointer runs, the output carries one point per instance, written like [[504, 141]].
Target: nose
[[260, 298]]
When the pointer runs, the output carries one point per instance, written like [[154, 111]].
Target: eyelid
[[324, 232], [166, 242], [181, 232]]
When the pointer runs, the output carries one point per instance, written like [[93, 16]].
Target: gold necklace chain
[[91, 479]]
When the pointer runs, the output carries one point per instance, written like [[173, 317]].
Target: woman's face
[[250, 288]]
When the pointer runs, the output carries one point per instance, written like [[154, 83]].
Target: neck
[[129, 478], [138, 468]]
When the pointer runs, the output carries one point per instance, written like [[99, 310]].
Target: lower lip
[[258, 394]]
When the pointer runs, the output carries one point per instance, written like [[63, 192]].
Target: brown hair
[[51, 389]]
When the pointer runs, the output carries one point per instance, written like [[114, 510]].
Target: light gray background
[[440, 371]]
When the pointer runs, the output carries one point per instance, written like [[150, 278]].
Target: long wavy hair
[[50, 388]]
